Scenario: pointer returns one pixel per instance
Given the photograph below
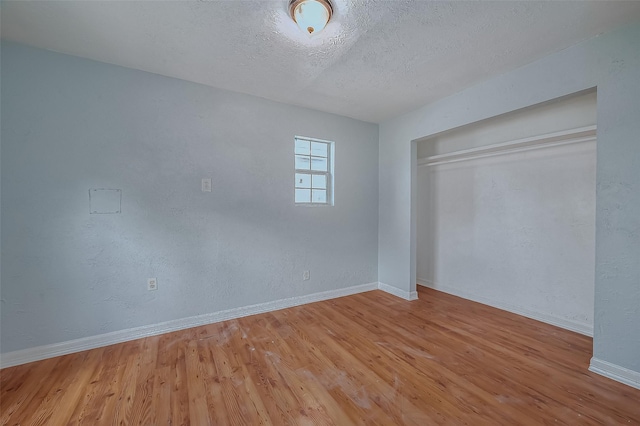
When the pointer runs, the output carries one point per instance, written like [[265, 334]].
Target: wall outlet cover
[[152, 284]]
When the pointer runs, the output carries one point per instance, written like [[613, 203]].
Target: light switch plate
[[206, 185]]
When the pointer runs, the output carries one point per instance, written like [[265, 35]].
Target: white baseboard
[[406, 295], [567, 324], [615, 372], [24, 356]]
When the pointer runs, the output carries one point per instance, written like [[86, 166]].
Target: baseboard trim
[[38, 353], [574, 326], [406, 295], [615, 372]]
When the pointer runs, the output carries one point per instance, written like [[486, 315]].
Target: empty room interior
[[296, 212]]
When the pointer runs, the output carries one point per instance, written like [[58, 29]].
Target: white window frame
[[329, 174]]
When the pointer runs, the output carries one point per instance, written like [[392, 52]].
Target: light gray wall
[[513, 230], [612, 63], [71, 124]]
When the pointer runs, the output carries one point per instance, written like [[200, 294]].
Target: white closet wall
[[514, 229]]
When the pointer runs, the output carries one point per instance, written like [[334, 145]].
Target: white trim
[[575, 326], [406, 295], [565, 137], [24, 356], [615, 372], [329, 174]]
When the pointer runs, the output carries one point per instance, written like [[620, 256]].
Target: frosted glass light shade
[[311, 15]]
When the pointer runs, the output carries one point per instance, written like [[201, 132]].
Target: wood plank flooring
[[367, 359]]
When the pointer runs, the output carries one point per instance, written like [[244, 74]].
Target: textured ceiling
[[375, 60]]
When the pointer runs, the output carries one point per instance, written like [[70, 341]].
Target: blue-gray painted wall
[[71, 124]]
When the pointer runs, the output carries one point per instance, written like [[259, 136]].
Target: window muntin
[[313, 171]]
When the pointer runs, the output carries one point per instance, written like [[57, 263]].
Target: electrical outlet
[[305, 275], [152, 284]]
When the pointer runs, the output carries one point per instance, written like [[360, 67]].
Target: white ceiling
[[375, 60]]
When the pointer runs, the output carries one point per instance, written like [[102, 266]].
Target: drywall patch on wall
[[105, 201]]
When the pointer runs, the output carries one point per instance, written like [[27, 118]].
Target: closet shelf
[[565, 137]]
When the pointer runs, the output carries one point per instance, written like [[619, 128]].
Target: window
[[314, 171]]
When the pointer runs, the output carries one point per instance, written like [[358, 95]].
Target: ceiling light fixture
[[310, 15]]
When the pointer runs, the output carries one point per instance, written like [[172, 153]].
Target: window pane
[[319, 149], [302, 162], [302, 147], [303, 195], [319, 196], [303, 180], [319, 181], [319, 164]]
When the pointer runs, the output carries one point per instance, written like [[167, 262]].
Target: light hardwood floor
[[370, 358]]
